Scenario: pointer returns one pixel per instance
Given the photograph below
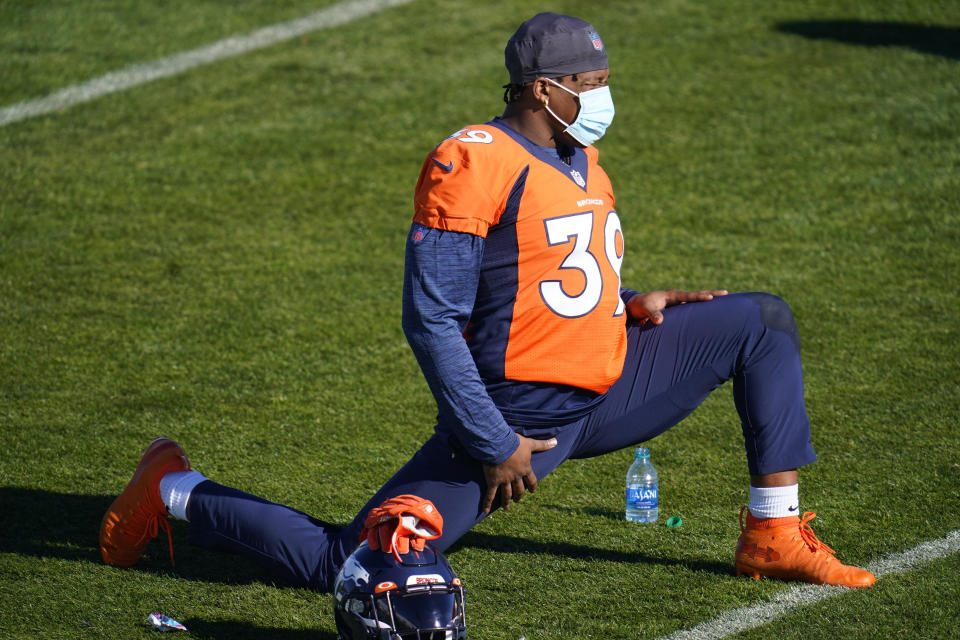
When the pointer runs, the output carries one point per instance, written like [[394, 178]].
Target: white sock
[[775, 502], [175, 488]]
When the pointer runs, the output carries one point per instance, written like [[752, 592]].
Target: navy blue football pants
[[670, 369]]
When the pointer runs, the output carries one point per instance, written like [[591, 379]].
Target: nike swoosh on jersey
[[446, 167]]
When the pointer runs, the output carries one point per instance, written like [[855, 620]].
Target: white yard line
[[132, 76], [735, 621]]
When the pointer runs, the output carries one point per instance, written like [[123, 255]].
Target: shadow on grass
[[607, 514], [59, 525], [45, 524], [507, 544], [934, 40], [51, 525], [241, 631]]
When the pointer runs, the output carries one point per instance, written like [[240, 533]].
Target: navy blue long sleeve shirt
[[441, 275]]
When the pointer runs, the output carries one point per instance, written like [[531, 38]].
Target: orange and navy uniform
[[502, 310], [546, 330]]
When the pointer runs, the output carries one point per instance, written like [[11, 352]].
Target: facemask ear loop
[[546, 104], [556, 117]]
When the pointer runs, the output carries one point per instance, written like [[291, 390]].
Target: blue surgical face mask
[[595, 115]]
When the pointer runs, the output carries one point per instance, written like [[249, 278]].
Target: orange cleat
[[787, 548], [137, 515]]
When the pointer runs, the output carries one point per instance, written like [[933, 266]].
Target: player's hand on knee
[[645, 307], [514, 476]]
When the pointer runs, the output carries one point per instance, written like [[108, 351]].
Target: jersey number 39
[[578, 230]]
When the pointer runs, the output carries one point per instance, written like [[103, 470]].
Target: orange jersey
[[548, 306]]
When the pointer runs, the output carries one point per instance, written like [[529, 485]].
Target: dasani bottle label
[[645, 498]]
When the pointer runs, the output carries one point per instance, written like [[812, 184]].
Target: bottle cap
[[643, 452], [675, 522]]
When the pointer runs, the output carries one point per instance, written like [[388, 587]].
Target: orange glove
[[400, 523]]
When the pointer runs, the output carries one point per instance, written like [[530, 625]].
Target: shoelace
[[154, 524], [806, 532]]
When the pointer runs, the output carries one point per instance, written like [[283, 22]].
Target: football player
[[534, 350]]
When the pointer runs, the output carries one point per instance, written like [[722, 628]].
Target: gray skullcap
[[552, 45]]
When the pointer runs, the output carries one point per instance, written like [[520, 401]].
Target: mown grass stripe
[[135, 75], [745, 618]]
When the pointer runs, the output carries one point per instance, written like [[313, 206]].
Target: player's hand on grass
[[645, 307], [514, 476]]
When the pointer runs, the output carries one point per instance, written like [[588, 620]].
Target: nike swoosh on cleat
[[793, 508], [446, 167]]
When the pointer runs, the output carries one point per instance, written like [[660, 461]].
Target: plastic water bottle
[[642, 489]]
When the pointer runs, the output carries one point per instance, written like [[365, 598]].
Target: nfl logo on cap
[[597, 42]]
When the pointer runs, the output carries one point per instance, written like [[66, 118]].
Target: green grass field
[[217, 257]]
